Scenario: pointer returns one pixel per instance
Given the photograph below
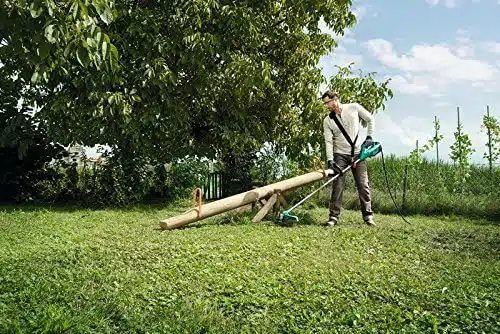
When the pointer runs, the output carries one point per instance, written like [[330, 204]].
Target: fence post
[[437, 143], [490, 158], [405, 181], [459, 137]]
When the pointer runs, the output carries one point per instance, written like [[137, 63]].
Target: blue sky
[[440, 55]]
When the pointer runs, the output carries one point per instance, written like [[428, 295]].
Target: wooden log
[[236, 201], [283, 201], [265, 209], [243, 209]]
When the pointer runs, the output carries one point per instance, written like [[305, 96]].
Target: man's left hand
[[368, 142]]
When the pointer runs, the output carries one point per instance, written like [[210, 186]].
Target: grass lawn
[[115, 271]]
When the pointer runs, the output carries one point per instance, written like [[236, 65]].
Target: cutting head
[[286, 217]]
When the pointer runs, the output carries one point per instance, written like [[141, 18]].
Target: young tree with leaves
[[416, 154], [460, 153], [492, 127]]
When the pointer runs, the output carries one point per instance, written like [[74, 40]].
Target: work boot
[[369, 221], [332, 221]]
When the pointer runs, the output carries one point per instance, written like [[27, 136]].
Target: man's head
[[331, 100]]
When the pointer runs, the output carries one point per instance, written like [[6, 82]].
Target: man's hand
[[333, 169], [368, 142]]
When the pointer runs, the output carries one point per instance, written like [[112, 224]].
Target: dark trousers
[[360, 174]]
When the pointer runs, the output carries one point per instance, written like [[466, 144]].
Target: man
[[341, 128]]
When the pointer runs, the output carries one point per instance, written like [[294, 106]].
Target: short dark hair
[[331, 94]]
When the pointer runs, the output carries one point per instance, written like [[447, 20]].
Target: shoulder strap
[[352, 143]]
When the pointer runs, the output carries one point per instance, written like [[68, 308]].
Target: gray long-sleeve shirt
[[350, 118]]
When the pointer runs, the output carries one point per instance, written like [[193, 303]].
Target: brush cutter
[[366, 152]]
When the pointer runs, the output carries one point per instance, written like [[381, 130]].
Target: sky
[[440, 55]]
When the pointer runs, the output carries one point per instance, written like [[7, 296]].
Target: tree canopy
[[170, 78]]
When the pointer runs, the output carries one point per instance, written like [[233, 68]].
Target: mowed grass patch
[[116, 271]]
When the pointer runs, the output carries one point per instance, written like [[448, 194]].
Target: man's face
[[332, 104]]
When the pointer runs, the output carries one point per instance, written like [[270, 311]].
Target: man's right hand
[[333, 168]]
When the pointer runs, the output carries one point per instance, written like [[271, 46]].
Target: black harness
[[352, 143]]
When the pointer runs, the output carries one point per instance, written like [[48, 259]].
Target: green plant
[[460, 153], [26, 149], [270, 165], [416, 155], [492, 127], [187, 174]]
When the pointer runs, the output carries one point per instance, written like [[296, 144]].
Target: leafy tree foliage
[[416, 154], [171, 78], [25, 148], [363, 88], [491, 125]]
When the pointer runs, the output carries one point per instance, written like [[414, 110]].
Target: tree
[[416, 154], [492, 127], [307, 136], [25, 148], [171, 78], [460, 153]]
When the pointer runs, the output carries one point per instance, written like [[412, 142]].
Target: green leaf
[[69, 48], [113, 56], [43, 50], [50, 6], [91, 43], [74, 10], [136, 98], [104, 11], [83, 11], [35, 76], [36, 9], [83, 56], [104, 50], [51, 34], [99, 38]]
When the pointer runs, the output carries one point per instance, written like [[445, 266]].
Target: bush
[[187, 174]]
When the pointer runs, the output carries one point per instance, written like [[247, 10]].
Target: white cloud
[[463, 51], [493, 46], [438, 60], [442, 104], [408, 131], [447, 3], [348, 34], [360, 12], [408, 85]]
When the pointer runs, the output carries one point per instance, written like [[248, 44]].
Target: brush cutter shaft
[[324, 185]]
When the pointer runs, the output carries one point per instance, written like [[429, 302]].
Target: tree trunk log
[[236, 201]]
